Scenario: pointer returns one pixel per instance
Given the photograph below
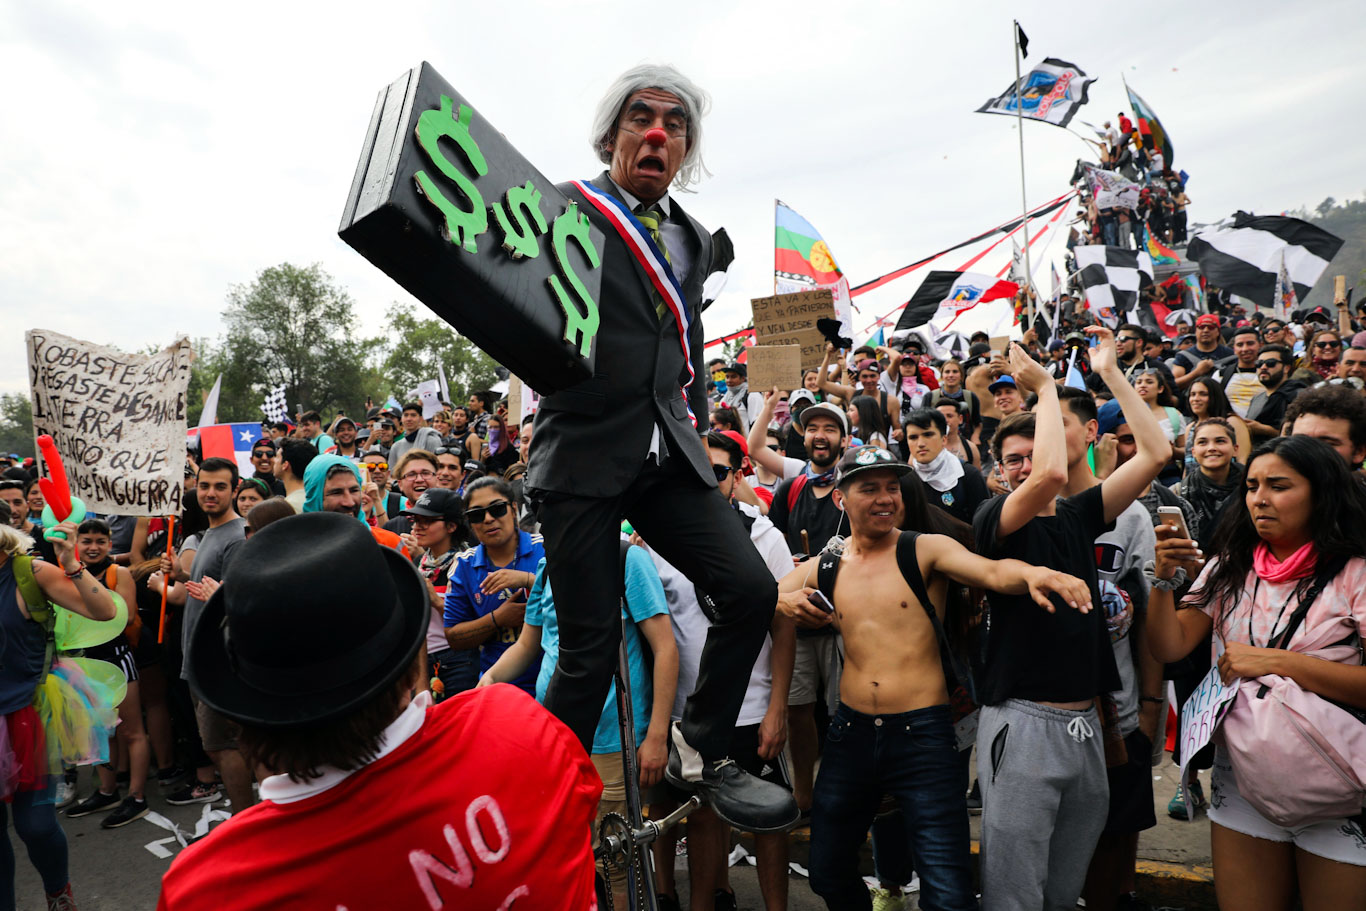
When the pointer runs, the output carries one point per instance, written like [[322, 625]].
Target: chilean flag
[[229, 441]]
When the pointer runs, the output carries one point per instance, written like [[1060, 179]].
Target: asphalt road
[[121, 869]]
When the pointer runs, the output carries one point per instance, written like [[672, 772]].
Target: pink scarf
[[1297, 566]]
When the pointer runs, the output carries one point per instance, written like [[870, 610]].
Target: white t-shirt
[[691, 625], [791, 468]]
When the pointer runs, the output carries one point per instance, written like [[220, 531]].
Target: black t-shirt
[[277, 489], [1029, 653], [961, 500], [1191, 357], [817, 515], [794, 444]]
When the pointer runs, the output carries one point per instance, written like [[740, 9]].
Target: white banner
[[1111, 190], [1200, 718], [118, 420]]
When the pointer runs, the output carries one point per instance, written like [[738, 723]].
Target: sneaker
[[975, 798], [1176, 808], [195, 792], [1198, 794], [666, 902], [62, 901], [95, 803], [724, 901], [887, 899], [131, 809], [169, 778], [66, 793]]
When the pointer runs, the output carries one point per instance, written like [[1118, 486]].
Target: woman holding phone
[[1300, 526]]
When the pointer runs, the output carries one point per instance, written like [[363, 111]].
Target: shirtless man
[[893, 732]]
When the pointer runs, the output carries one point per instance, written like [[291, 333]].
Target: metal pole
[[640, 880], [1024, 204]]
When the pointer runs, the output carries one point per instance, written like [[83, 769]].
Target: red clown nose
[[656, 137]]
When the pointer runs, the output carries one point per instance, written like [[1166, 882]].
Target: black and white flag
[[274, 407], [1112, 277], [1245, 257]]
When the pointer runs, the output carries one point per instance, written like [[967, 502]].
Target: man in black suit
[[628, 442]]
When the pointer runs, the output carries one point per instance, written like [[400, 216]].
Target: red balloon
[[656, 137]]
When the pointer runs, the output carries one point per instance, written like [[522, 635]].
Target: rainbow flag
[[801, 259], [1160, 254]]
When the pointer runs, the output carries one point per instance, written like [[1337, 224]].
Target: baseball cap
[[1109, 416], [868, 458], [868, 364], [828, 410], [1056, 344], [736, 368], [343, 420], [1002, 381], [1319, 313], [436, 503], [801, 395], [1207, 319], [735, 437]]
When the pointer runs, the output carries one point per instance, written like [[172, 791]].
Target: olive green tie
[[651, 218]]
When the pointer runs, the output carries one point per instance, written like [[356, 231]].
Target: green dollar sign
[[583, 323], [462, 226], [523, 210]]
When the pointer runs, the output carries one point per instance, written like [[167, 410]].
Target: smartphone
[[1171, 515], [819, 599]]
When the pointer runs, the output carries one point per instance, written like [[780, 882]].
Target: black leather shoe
[[741, 800]]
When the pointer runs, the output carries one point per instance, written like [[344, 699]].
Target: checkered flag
[[1112, 277], [275, 407]]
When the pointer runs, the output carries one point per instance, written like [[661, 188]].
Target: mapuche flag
[[801, 259], [1152, 131], [1052, 92], [953, 293]]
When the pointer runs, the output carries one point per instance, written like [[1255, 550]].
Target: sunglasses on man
[[721, 472], [497, 509]]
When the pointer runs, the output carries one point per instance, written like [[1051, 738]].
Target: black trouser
[[692, 527]]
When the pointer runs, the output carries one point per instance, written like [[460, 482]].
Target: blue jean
[[913, 757], [457, 669], [35, 822], [893, 859]]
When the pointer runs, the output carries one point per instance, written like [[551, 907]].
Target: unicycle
[[624, 842]]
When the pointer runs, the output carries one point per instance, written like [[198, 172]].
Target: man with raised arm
[[1044, 785], [893, 730]]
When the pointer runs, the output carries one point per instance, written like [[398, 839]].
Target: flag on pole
[[1159, 253], [801, 259], [1112, 277], [445, 387], [1074, 378], [1052, 92], [229, 441], [210, 413], [1245, 257], [1149, 127], [1286, 301], [1022, 40], [275, 407], [877, 339], [946, 294]]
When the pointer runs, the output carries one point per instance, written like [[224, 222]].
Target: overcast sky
[[153, 155]]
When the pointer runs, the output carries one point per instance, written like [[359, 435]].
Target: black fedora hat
[[316, 619]]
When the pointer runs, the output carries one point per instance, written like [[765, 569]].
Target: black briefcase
[[446, 207]]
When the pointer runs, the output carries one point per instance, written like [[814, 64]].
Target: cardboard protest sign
[[1200, 718], [522, 401], [790, 319], [443, 204], [118, 420], [773, 365]]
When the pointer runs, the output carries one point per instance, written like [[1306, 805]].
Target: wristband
[[76, 573], [1153, 699], [495, 622], [1166, 585]]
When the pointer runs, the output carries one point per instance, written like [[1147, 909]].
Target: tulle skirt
[[23, 753], [77, 706]]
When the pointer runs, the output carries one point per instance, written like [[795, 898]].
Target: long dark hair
[[870, 417], [1166, 392], [1218, 406], [1337, 531]]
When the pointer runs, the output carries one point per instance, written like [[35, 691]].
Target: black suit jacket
[[592, 439]]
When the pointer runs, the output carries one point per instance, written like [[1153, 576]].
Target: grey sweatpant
[[1044, 800]]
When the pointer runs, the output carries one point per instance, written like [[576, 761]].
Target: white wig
[[655, 76]]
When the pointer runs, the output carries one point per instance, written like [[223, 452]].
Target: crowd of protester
[[1001, 559], [992, 451]]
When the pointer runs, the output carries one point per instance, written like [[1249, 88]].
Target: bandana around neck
[[943, 471], [1296, 566], [824, 479]]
